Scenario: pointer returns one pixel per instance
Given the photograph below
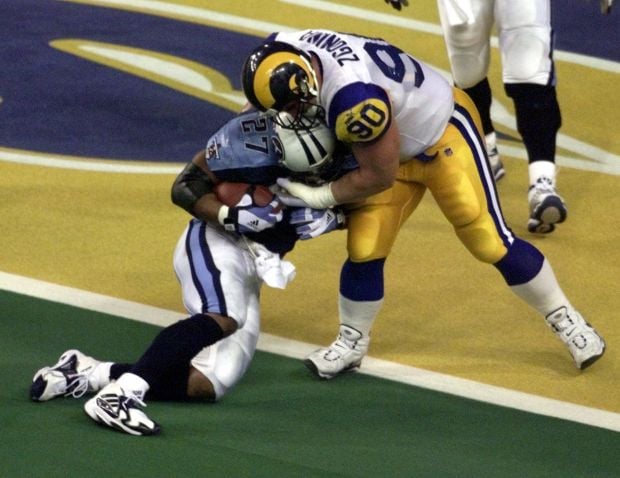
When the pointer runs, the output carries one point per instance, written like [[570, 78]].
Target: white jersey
[[367, 83]]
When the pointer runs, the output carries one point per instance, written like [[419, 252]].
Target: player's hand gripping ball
[[247, 207], [230, 193]]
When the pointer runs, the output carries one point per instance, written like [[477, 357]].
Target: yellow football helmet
[[278, 76]]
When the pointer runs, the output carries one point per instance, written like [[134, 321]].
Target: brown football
[[230, 193]]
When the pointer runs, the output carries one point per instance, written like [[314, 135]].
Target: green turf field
[[279, 422]]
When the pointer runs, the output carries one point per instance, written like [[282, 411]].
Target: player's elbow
[[378, 180], [180, 196], [385, 181]]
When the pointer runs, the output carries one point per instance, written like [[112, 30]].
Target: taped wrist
[[321, 197], [224, 219]]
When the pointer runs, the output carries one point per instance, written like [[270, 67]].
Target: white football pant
[[217, 274], [524, 30]]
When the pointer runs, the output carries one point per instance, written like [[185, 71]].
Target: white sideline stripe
[[156, 7], [403, 21], [290, 348], [84, 164]]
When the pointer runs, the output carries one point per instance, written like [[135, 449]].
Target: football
[[230, 193]]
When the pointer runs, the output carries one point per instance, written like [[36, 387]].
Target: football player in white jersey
[[528, 73], [409, 130], [221, 260]]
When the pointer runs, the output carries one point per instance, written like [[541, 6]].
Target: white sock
[[541, 168], [100, 376], [134, 384], [359, 315], [543, 292]]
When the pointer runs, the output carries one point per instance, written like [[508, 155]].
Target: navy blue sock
[[362, 281], [521, 264], [165, 364], [118, 369]]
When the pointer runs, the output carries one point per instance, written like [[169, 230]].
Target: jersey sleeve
[[360, 112]]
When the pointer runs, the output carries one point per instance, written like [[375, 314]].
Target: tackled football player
[[410, 131], [234, 243]]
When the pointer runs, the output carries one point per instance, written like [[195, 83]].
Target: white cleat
[[497, 167], [69, 376], [121, 409], [547, 207], [583, 342], [345, 354]]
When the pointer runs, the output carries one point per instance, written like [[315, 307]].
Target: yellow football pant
[[459, 178]]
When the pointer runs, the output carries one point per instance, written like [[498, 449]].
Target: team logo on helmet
[[277, 74], [278, 149]]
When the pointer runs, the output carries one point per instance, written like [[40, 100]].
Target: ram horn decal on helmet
[[277, 76]]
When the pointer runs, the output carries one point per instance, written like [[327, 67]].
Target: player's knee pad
[[526, 55], [371, 233], [225, 363], [372, 225], [482, 242], [468, 69], [481, 239], [368, 246]]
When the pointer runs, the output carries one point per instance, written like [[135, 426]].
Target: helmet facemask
[[307, 150], [300, 115]]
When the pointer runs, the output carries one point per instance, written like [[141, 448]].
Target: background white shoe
[[345, 354], [583, 342], [69, 376], [120, 408], [497, 167], [547, 207]]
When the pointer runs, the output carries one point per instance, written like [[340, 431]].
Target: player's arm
[[192, 190], [378, 164], [368, 126]]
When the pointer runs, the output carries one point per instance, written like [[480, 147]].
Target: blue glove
[[398, 4], [310, 223], [246, 216]]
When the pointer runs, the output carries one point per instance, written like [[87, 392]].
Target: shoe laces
[[133, 401], [566, 325], [544, 185], [77, 385]]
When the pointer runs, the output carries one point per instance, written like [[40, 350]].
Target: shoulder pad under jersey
[[245, 149], [360, 112]]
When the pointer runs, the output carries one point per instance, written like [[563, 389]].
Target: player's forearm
[[359, 184], [378, 167], [207, 208]]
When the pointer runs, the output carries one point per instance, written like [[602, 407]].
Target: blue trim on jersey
[[552, 81], [463, 121], [353, 94], [362, 281], [205, 274]]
